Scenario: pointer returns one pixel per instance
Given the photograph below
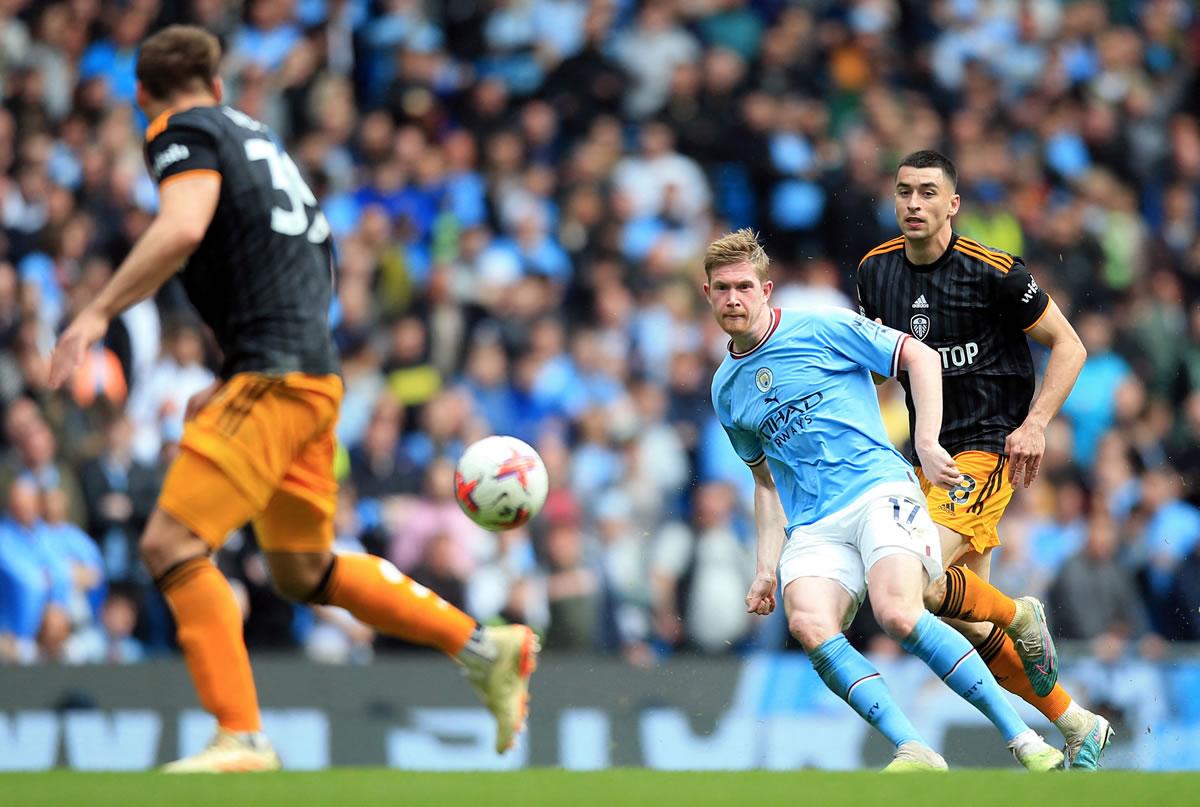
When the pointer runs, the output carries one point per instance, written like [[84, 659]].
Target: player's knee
[[296, 589], [296, 576], [897, 620], [811, 630], [935, 593], [166, 543]]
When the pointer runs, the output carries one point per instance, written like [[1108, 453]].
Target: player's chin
[[734, 325]]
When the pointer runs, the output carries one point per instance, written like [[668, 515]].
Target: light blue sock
[[855, 680], [951, 656]]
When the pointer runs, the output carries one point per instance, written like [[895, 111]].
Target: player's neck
[[746, 342], [180, 101], [928, 250]]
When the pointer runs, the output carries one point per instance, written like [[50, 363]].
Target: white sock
[[1025, 741], [1073, 720], [1023, 612]]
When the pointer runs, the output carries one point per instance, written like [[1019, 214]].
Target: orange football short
[[973, 509], [260, 450]]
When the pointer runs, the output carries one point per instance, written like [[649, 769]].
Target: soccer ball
[[500, 482]]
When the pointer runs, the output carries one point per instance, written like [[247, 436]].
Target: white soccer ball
[[500, 482]]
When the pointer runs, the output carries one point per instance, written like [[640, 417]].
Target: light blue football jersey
[[803, 401]]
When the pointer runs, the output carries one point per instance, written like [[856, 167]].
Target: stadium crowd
[[520, 192]]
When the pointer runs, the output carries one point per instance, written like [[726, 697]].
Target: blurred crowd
[[520, 192]]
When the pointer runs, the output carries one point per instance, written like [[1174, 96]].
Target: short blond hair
[[740, 246]]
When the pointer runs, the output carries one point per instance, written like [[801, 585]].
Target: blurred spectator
[[626, 579], [1091, 407], [415, 523], [1094, 594], [35, 588], [380, 466], [698, 570], [119, 492], [36, 457], [572, 588], [1055, 540], [649, 51], [111, 641], [76, 553], [159, 401], [1171, 530], [502, 585]]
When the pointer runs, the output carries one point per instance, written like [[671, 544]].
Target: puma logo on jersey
[[1030, 291], [173, 154], [920, 302]]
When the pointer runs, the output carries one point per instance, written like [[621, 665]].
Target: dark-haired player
[[258, 446], [976, 305]]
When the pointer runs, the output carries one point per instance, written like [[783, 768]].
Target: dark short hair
[[178, 58], [931, 159]]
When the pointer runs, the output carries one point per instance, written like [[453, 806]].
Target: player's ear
[[141, 97], [768, 285], [218, 89], [706, 290], [955, 201]]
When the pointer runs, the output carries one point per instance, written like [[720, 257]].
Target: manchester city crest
[[763, 379], [919, 325]]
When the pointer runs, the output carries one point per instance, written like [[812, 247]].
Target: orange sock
[[377, 593], [972, 599], [1001, 657], [209, 629]]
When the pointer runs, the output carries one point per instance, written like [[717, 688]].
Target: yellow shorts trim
[[974, 508]]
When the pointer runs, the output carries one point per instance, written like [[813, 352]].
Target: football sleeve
[[180, 150], [745, 443], [866, 305], [862, 341], [1021, 299]]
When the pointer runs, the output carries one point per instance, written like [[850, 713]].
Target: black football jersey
[[973, 305], [262, 278]]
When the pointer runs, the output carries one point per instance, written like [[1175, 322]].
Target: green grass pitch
[[347, 787]]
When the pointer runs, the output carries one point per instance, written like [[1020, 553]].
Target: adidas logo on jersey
[[920, 302], [173, 154]]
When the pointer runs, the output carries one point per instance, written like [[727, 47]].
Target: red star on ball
[[519, 465]]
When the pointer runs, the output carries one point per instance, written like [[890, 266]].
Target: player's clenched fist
[[938, 466], [761, 599]]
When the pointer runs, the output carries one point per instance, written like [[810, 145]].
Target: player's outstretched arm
[[925, 377], [771, 526], [1027, 444], [186, 207]]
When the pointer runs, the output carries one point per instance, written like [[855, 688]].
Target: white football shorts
[[888, 519]]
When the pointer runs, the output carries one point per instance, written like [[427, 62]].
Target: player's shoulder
[[880, 253], [800, 320], [201, 118], [989, 259], [722, 384]]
